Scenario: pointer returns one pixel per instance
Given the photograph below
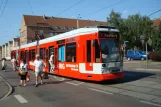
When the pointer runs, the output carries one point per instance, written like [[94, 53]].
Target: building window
[[71, 52], [51, 34], [61, 53]]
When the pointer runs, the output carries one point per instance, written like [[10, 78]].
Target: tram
[[89, 53]]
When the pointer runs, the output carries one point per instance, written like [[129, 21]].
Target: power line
[[30, 7], [69, 7], [1, 4], [154, 12], [105, 7], [4, 8]]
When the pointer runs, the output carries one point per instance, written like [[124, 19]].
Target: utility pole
[[146, 54], [37, 41], [78, 21], [125, 47]]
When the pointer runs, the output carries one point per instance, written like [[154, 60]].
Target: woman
[[4, 64], [23, 71]]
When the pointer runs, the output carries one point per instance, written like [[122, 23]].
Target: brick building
[[49, 26], [156, 23]]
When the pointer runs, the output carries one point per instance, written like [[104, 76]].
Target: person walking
[[23, 71], [38, 64], [51, 62], [14, 64], [4, 64]]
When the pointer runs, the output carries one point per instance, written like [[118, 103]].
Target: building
[[49, 26], [0, 52], [156, 23], [46, 26]]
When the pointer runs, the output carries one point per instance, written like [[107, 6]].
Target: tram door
[[56, 60], [51, 51], [26, 56], [89, 55]]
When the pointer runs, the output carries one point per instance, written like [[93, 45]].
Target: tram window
[[41, 53], [33, 54], [22, 55], [46, 55], [88, 47], [29, 54], [51, 50], [71, 52], [97, 51], [61, 53]]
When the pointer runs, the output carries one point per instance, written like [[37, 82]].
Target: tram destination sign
[[114, 35]]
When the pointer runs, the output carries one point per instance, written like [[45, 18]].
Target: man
[[51, 62], [14, 64], [39, 64]]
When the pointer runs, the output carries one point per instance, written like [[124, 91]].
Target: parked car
[[136, 54]]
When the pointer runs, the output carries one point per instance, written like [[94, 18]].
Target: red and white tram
[[91, 53]]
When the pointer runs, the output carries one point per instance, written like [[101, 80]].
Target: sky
[[11, 18]]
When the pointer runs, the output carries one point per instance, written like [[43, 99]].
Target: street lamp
[[78, 21], [143, 40], [124, 45]]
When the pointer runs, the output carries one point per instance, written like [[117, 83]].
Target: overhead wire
[[104, 8], [4, 8], [154, 12], [30, 7], [70, 7], [1, 4]]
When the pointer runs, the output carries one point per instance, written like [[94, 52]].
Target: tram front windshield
[[109, 45]]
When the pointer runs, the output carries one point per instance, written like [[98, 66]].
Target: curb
[[10, 89]]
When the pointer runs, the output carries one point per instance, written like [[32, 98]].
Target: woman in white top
[[23, 72]]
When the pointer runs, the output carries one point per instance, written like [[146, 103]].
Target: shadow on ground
[[128, 77]]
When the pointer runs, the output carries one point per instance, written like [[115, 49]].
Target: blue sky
[[10, 21]]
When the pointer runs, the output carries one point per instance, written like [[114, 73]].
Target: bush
[[154, 56]]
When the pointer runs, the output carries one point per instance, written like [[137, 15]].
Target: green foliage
[[157, 40], [131, 28]]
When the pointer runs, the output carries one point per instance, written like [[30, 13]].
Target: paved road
[[4, 88], [58, 93]]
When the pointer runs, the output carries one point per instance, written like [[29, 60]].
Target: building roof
[[156, 22], [31, 20], [73, 33]]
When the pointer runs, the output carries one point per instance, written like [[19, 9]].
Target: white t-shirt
[[51, 58], [25, 66], [39, 64]]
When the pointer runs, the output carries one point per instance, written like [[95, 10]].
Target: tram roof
[[72, 33]]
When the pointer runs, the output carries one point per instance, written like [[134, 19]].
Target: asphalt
[[141, 89], [5, 88]]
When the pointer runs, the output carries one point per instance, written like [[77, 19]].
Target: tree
[[156, 40], [131, 28]]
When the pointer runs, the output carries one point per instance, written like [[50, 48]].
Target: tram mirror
[[93, 42]]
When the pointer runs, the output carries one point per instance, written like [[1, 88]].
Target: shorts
[[23, 77], [39, 73]]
